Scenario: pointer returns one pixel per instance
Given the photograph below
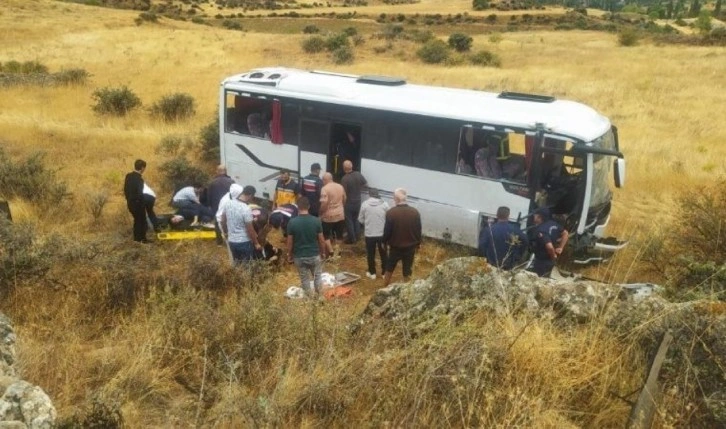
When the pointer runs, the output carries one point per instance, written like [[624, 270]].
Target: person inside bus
[[485, 159], [255, 125], [346, 149]]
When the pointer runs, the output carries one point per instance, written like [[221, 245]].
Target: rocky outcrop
[[22, 404], [460, 287]]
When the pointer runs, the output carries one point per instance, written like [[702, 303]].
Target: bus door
[[345, 145], [314, 145]]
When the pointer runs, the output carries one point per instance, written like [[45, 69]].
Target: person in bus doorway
[[402, 234], [332, 212], [550, 238], [502, 243], [373, 217], [346, 149], [217, 188], [134, 193], [285, 191], [353, 183], [310, 188]]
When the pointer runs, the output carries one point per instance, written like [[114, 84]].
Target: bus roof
[[563, 117]]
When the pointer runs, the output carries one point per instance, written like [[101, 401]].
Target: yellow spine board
[[185, 235]]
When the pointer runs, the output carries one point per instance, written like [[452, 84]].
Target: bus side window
[[248, 115], [512, 158]]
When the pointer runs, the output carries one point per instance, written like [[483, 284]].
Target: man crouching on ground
[[306, 246]]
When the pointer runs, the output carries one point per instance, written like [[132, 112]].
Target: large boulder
[[22, 405]]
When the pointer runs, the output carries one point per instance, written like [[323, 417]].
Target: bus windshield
[[600, 192]]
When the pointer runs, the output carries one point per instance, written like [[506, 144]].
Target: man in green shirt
[[306, 245]]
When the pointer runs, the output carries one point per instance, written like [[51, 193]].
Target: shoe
[[370, 276], [194, 224], [208, 225]]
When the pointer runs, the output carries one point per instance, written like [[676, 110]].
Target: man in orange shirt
[[332, 214]]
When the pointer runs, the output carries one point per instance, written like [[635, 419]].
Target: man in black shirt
[[134, 193]]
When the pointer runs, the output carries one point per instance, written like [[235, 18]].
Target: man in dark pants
[[402, 233], [310, 188], [502, 243], [353, 182], [218, 187], [550, 239], [134, 193]]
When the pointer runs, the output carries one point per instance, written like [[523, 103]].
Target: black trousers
[[149, 202], [403, 254], [138, 211], [371, 244]]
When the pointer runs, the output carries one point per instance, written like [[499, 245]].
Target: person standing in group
[[332, 214], [285, 191], [237, 226], [310, 188], [373, 217], [306, 245], [218, 187], [353, 183], [402, 233], [550, 239], [134, 193], [502, 243]]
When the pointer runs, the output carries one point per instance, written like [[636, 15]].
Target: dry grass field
[[154, 360]]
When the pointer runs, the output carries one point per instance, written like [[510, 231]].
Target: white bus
[[459, 153]]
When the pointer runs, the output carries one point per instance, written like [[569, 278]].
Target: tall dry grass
[[171, 351]]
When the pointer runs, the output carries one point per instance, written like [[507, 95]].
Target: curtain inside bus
[[276, 123]]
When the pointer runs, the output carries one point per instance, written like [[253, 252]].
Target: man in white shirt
[[238, 228], [186, 200]]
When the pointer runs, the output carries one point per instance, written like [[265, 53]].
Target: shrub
[[174, 107], [30, 67], [495, 38], [173, 145], [358, 40], [433, 52], [313, 45], [31, 180], [336, 41], [12, 67], [485, 58], [480, 4], [22, 256], [209, 141], [71, 77], [115, 101], [198, 20], [460, 41], [231, 25], [95, 202], [179, 172], [146, 17], [311, 29], [350, 31], [419, 36], [343, 55], [628, 37]]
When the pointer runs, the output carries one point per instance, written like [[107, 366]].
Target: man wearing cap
[[550, 239], [502, 243], [311, 186], [237, 226]]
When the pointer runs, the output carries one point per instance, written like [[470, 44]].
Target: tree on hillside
[[717, 9], [703, 22], [680, 7], [695, 9], [480, 4], [669, 10]]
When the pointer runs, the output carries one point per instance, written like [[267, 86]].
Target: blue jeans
[[242, 252], [307, 266]]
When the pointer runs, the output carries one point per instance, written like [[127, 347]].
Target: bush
[[480, 4], [231, 25], [209, 141], [95, 202], [336, 41], [146, 17], [628, 37], [115, 101], [22, 256], [30, 67], [174, 107], [30, 180], [311, 29], [485, 58], [433, 52], [313, 45], [71, 77], [173, 145], [420, 36], [179, 172], [343, 55], [461, 42], [350, 31]]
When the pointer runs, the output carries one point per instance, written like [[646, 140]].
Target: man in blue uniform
[[502, 243], [310, 188], [550, 239]]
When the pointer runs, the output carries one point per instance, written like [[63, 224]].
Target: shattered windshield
[[600, 192]]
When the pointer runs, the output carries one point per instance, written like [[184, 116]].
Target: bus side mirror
[[619, 169]]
